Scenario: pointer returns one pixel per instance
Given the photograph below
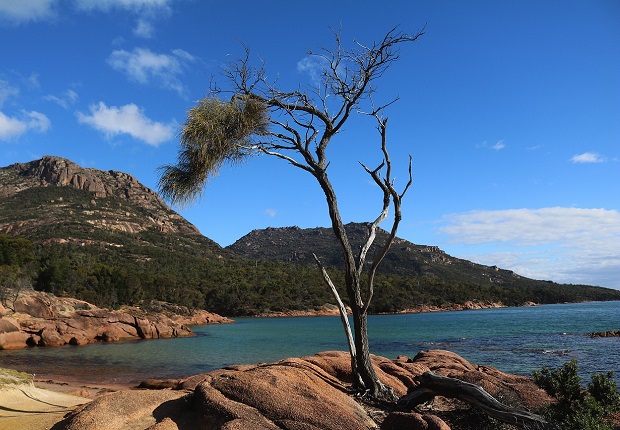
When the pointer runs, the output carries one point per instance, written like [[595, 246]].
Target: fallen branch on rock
[[432, 384]]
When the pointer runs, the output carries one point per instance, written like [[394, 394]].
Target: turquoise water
[[515, 340]]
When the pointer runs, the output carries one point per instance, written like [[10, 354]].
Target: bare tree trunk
[[372, 385]]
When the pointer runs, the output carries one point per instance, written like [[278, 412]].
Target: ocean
[[514, 340]]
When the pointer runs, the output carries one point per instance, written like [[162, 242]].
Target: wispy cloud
[[144, 29], [271, 212], [144, 66], [588, 157], [146, 11], [311, 66], [13, 127], [6, 92], [127, 119], [32, 80], [564, 244], [22, 11], [496, 146], [65, 100], [137, 5]]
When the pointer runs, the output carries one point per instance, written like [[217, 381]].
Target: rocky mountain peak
[[128, 205], [57, 171]]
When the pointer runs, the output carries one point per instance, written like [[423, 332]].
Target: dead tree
[[297, 126]]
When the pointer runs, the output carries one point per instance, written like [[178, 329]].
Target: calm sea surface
[[515, 340]]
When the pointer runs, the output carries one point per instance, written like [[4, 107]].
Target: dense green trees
[[234, 286]]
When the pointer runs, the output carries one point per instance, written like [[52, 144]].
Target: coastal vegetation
[[577, 407], [105, 238], [13, 377], [148, 266]]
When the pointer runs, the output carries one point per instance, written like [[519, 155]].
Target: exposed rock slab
[[307, 393], [123, 410]]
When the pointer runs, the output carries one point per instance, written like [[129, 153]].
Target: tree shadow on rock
[[181, 411]]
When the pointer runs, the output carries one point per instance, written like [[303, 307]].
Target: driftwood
[[432, 384]]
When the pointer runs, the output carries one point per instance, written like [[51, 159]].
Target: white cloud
[[13, 127], [271, 212], [588, 157], [23, 11], [37, 121], [144, 66], [6, 91], [128, 119], [569, 245], [531, 226], [20, 11]]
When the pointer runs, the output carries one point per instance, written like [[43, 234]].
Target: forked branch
[[390, 196]]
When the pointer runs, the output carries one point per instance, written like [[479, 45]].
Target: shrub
[[577, 407]]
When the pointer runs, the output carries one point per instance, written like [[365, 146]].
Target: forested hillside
[[105, 238]]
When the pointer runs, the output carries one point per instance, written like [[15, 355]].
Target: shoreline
[[41, 403], [81, 387], [332, 310]]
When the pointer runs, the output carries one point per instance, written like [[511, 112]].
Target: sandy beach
[[39, 403]]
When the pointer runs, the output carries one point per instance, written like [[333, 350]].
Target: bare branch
[[341, 308], [390, 195], [287, 158]]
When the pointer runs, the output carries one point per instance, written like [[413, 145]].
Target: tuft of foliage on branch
[[577, 407], [215, 132]]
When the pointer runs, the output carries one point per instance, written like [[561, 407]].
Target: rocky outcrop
[[467, 306], [321, 311], [609, 333], [308, 393], [41, 319], [127, 193]]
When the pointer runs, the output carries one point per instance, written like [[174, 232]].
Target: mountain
[[413, 276], [296, 245], [95, 199], [53, 200], [102, 237]]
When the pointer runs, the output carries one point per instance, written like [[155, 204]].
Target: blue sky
[[510, 110]]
